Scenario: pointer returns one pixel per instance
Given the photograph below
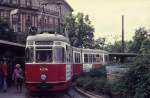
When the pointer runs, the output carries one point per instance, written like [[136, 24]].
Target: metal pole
[[59, 20], [123, 43]]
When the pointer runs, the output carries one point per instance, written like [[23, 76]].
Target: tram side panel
[[77, 65], [77, 70]]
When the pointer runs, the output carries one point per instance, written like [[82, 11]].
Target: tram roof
[[47, 37], [94, 51]]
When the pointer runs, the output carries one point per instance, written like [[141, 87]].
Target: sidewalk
[[12, 93]]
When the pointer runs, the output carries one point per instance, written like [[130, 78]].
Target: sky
[[106, 16]]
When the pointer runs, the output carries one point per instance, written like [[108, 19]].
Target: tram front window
[[43, 56], [29, 54], [59, 54]]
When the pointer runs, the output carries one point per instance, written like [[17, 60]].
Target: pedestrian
[[18, 77], [5, 74], [1, 76]]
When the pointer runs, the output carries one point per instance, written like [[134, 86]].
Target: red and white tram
[[51, 63], [48, 62], [92, 59]]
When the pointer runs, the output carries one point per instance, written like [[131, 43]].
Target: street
[[12, 93]]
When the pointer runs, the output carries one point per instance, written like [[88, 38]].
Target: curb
[[87, 93]]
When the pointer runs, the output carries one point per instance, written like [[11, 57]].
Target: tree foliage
[[145, 47], [116, 47], [6, 33], [80, 31], [140, 35], [100, 43], [140, 40], [136, 82]]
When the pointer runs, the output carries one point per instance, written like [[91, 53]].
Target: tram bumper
[[48, 86]]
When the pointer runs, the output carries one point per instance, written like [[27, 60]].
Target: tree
[[6, 33], [88, 36], [140, 35], [136, 82], [145, 47], [70, 28], [80, 30], [100, 43], [116, 47]]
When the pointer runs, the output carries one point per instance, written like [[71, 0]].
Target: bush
[[136, 82], [99, 72], [99, 85], [94, 80], [85, 82], [108, 89]]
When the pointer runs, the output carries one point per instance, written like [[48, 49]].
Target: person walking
[[18, 77], [1, 76], [5, 74]]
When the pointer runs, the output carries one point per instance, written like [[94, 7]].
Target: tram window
[[106, 58], [29, 55], [77, 58], [94, 58], [59, 55], [101, 58], [97, 58], [85, 58], [90, 58], [68, 54], [43, 56], [70, 57]]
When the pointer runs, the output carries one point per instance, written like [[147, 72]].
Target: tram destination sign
[[44, 43]]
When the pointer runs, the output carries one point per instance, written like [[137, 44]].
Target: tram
[[48, 62], [93, 59], [52, 63]]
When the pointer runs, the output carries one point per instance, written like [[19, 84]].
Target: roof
[[60, 2], [12, 43], [76, 49], [94, 51], [47, 37], [68, 5]]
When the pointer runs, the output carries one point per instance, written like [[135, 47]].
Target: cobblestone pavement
[[12, 93]]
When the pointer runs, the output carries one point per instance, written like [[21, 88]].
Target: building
[[29, 15]]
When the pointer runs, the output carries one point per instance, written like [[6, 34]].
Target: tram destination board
[[44, 43]]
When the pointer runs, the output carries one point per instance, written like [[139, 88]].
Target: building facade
[[29, 15]]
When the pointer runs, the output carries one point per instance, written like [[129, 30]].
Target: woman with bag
[[18, 77]]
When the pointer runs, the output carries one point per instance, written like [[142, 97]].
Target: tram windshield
[[50, 54], [44, 56]]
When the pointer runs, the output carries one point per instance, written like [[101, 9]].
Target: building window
[[56, 21], [16, 2], [1, 13], [5, 1], [1, 1], [28, 3]]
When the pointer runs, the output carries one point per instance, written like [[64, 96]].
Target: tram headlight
[[43, 77]]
